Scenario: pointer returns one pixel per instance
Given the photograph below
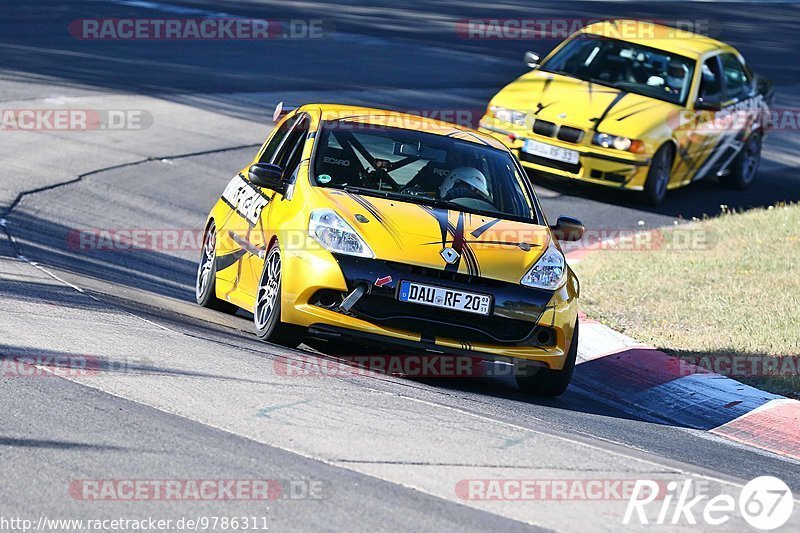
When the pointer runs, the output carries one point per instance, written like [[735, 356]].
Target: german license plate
[[446, 298], [548, 151]]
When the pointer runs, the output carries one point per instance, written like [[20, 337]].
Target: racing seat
[[341, 165], [429, 177]]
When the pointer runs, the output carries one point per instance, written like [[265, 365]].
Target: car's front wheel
[[544, 381], [267, 312], [655, 187], [206, 281], [744, 167]]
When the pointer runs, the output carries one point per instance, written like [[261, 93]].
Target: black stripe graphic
[[632, 113], [458, 244], [614, 102], [441, 216], [481, 230], [473, 269]]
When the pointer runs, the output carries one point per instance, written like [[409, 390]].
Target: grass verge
[[723, 293]]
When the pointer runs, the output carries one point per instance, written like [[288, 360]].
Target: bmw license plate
[[446, 298], [549, 151]]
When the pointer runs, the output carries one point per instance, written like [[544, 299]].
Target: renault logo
[[449, 255]]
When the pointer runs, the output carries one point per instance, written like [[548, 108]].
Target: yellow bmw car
[[372, 225], [637, 106]]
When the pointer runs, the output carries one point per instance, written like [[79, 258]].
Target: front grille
[[570, 135], [536, 160], [436, 322], [562, 133], [543, 127]]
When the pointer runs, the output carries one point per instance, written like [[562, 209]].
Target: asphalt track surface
[[192, 394]]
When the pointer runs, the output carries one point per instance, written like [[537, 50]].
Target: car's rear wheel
[[744, 167], [267, 311], [206, 281], [655, 187], [542, 381]]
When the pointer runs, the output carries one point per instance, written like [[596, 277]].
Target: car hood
[[416, 234], [582, 104]]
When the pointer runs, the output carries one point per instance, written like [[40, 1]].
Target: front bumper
[[611, 168], [524, 323]]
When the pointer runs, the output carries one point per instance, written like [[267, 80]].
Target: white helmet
[[469, 175], [677, 75]]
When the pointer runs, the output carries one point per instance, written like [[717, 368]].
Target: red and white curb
[[642, 380]]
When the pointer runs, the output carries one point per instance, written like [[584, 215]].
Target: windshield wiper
[[436, 202], [427, 200], [375, 192]]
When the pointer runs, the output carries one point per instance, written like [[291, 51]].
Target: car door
[[708, 127], [742, 107], [287, 156], [232, 232]]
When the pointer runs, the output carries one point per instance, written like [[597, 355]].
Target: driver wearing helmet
[[676, 77], [464, 182]]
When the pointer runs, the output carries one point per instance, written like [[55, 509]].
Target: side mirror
[[531, 59], [568, 229], [268, 176], [703, 105]]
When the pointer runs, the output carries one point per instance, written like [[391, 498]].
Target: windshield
[[631, 67], [422, 168]]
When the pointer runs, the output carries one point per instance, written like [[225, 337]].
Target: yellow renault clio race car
[[379, 226], [635, 105]]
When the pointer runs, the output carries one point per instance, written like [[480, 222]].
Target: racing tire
[[541, 381], [745, 166], [655, 187], [206, 280], [267, 309]]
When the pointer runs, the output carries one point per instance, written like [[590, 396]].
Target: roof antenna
[[277, 113]]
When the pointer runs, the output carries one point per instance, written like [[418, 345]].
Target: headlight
[[549, 272], [336, 235], [508, 115], [620, 143]]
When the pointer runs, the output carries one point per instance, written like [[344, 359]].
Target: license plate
[[445, 298], [550, 152]]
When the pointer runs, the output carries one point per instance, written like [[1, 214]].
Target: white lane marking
[[92, 296]]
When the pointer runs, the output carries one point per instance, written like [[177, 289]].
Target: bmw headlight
[[549, 272], [508, 115], [336, 235], [619, 143]]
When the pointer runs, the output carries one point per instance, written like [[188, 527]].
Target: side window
[[711, 81], [736, 79], [288, 156], [275, 141]]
